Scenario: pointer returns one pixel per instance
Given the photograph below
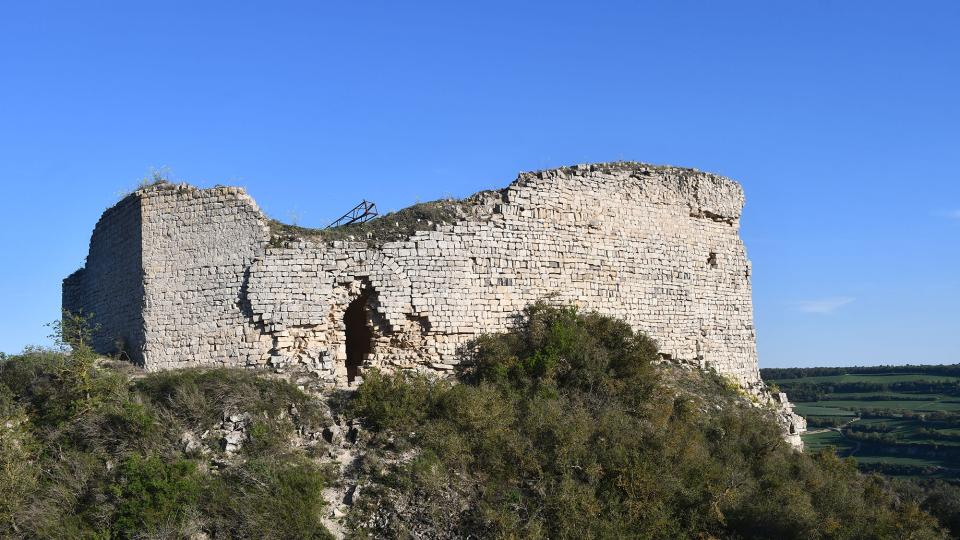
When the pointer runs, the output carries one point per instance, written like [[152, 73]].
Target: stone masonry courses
[[178, 276]]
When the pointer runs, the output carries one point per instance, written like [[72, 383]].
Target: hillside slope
[[568, 427]]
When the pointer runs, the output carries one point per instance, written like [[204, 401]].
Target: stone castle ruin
[[178, 276]]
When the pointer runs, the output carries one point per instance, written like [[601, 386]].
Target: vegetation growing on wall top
[[389, 227]]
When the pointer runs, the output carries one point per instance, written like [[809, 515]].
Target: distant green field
[[891, 422], [905, 405], [887, 395], [817, 441], [817, 408], [916, 433]]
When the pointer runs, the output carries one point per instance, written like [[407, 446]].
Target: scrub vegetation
[[567, 427], [390, 227], [87, 451], [570, 428]]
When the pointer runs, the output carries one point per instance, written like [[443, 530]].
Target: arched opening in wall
[[358, 334]]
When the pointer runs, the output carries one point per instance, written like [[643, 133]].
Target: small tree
[[74, 332]]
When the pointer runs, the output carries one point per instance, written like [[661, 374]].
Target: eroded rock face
[[206, 283], [792, 424]]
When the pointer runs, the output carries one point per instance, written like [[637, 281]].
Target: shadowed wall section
[[110, 286]]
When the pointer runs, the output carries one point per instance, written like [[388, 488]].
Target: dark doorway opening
[[359, 335]]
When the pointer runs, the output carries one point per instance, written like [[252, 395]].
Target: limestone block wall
[[198, 246], [656, 246], [178, 276]]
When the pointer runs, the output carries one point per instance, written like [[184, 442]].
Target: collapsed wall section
[[301, 295], [109, 288]]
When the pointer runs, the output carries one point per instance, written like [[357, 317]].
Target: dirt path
[[838, 428]]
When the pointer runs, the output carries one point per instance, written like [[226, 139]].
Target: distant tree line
[[824, 390], [890, 445], [932, 418], [777, 374], [826, 421], [870, 428]]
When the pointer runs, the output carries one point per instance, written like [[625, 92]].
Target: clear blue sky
[[840, 118]]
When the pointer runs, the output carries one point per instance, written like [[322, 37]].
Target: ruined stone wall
[[186, 277], [110, 286], [656, 246]]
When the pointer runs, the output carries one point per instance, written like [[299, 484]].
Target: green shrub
[[152, 495], [398, 402], [19, 473], [268, 499], [94, 455], [565, 428]]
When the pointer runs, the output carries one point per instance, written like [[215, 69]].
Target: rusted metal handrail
[[361, 213]]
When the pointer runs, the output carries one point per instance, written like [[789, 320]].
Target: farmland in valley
[[897, 420]]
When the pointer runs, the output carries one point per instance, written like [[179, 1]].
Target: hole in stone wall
[[712, 260], [358, 334]]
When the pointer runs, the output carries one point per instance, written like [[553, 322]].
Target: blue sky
[[840, 118]]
